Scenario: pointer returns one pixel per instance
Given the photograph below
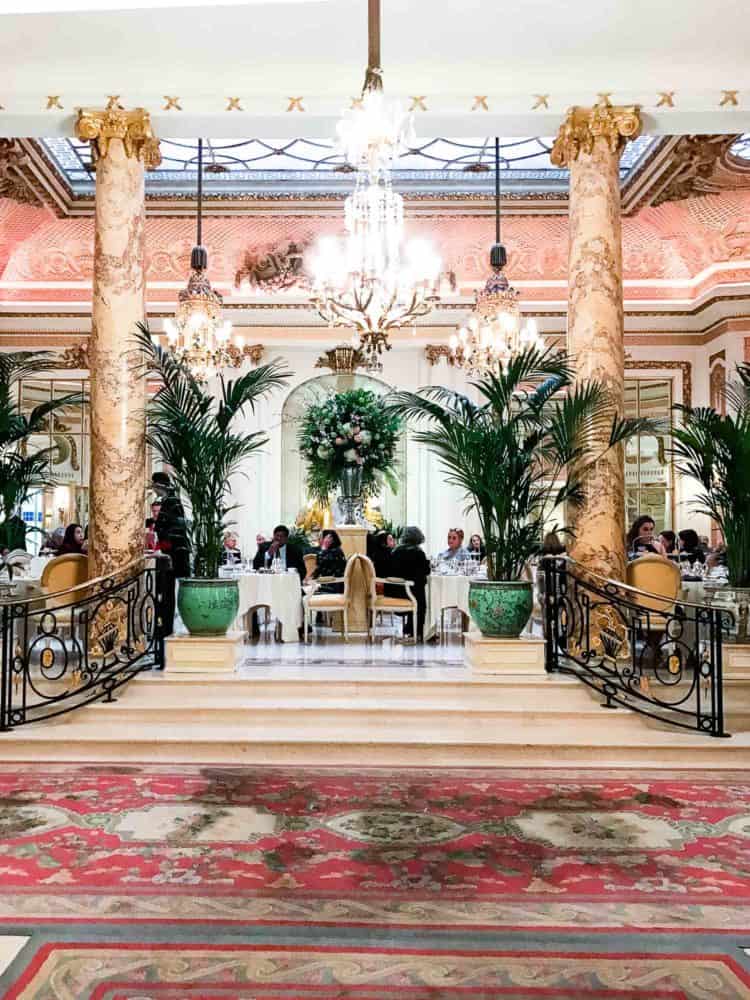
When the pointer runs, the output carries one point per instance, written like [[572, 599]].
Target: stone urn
[[501, 608], [351, 491], [208, 607]]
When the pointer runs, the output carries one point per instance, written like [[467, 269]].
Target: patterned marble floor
[[154, 882]]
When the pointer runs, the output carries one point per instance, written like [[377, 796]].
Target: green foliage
[[349, 427], [391, 528], [23, 472], [194, 434], [715, 451], [521, 451], [299, 537]]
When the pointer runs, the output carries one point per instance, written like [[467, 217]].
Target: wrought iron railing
[[658, 656], [64, 650]]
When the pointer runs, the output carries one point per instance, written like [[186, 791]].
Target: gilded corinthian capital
[[582, 126], [133, 127]]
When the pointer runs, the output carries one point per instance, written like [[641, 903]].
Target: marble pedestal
[[192, 654], [736, 658], [503, 656], [353, 539]]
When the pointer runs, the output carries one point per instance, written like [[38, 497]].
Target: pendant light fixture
[[198, 335], [493, 333], [372, 282]]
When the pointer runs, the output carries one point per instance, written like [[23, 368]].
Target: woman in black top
[[410, 563], [690, 547], [73, 541], [380, 553], [476, 547], [331, 562]]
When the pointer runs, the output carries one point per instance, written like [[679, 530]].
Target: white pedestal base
[[193, 654], [503, 656], [737, 658]]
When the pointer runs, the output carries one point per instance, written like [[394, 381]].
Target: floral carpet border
[[172, 971]]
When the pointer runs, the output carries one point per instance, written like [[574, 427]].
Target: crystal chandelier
[[493, 333], [373, 283], [198, 335]]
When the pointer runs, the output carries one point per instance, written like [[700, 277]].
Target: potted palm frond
[[196, 435], [23, 471], [519, 453], [714, 450]]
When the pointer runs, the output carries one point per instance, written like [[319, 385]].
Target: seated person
[[331, 562], [641, 538], [280, 548], [716, 558], [455, 552], [409, 562], [381, 549], [231, 555], [53, 541], [689, 547], [73, 541], [668, 540], [476, 548]]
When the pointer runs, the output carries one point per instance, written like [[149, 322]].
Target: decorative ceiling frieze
[[14, 180], [272, 270], [693, 168]]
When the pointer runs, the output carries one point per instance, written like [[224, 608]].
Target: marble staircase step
[[537, 741]]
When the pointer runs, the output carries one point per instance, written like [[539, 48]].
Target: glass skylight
[[305, 166]]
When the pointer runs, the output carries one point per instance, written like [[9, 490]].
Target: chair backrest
[[311, 561], [656, 575], [65, 571], [368, 568], [351, 566]]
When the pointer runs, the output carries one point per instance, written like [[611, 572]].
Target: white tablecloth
[[445, 592], [281, 592]]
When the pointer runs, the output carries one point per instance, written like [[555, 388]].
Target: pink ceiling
[[673, 242]]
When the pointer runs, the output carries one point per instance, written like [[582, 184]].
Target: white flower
[[350, 454]]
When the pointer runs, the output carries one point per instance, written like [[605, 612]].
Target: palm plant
[[194, 434], [522, 450], [715, 451], [23, 472]]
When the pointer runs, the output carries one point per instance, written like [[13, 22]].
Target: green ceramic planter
[[208, 607], [500, 608]]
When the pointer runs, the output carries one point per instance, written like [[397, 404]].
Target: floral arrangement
[[349, 428]]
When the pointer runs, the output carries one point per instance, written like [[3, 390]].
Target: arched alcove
[[293, 490]]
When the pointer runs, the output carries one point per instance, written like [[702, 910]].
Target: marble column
[[589, 143], [122, 146]]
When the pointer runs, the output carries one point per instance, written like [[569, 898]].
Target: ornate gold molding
[[434, 353], [342, 359], [719, 356], [686, 367], [717, 388], [582, 126], [76, 356], [14, 183], [132, 127], [694, 161], [252, 353]]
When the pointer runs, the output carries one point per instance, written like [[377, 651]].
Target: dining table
[[280, 592], [445, 590]]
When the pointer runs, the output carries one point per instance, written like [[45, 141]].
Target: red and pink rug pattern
[[149, 881], [426, 835]]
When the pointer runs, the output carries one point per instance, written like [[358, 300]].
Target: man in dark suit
[[172, 534], [289, 555], [280, 548]]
